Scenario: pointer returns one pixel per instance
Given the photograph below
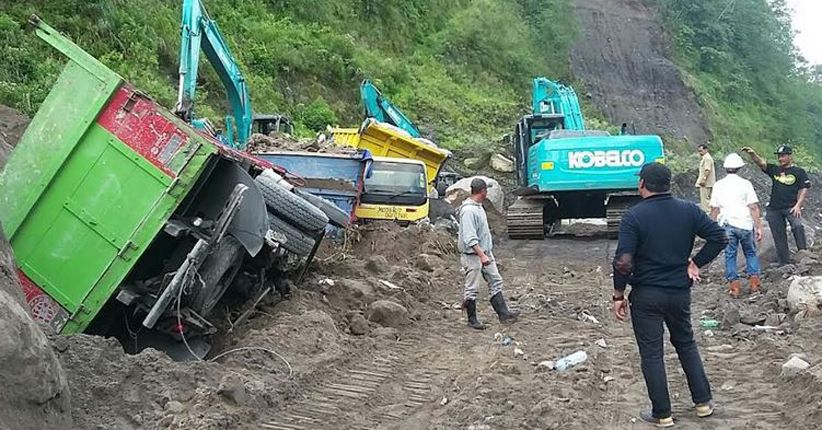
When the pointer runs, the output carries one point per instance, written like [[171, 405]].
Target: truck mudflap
[[44, 309]]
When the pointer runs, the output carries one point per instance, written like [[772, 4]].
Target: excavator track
[[524, 219], [617, 206]]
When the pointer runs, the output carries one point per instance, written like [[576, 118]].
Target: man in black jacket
[[656, 237]]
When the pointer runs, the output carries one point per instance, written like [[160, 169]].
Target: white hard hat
[[733, 161]]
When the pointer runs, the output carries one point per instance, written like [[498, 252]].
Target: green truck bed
[[93, 180]]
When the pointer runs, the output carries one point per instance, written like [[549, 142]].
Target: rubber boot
[[471, 309], [754, 284], [736, 285], [505, 315]]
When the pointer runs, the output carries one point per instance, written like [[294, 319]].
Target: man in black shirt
[[656, 237], [789, 188]]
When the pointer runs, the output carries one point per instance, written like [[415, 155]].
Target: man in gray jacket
[[477, 259]]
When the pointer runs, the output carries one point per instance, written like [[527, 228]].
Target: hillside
[[462, 68]]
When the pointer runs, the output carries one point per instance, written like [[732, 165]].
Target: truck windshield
[[395, 183]]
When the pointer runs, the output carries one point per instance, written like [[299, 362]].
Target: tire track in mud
[[368, 395]]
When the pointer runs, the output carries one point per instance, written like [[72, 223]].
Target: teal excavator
[[200, 32], [566, 171]]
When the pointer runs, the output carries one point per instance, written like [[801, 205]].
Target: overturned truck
[[126, 221]]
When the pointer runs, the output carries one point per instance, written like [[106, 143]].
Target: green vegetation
[[739, 58], [461, 68]]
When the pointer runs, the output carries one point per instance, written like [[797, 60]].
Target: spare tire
[[296, 241], [291, 207], [217, 272], [336, 216]]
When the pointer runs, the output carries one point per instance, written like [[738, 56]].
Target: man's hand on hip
[[758, 234], [693, 271], [797, 211], [620, 309]]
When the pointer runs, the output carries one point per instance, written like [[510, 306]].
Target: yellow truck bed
[[384, 140]]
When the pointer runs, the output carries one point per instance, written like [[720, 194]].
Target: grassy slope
[[460, 68]]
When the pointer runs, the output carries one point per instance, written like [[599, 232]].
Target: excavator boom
[[198, 31], [379, 108]]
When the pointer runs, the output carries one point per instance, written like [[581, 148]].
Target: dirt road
[[441, 375]]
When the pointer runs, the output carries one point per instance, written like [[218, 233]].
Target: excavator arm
[[552, 98], [379, 108], [198, 31]]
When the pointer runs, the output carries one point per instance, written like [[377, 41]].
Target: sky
[[807, 22]]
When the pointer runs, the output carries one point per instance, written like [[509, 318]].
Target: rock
[[601, 343], [731, 318], [174, 407], [389, 333], [376, 264], [727, 387], [388, 313], [458, 192], [473, 163], [509, 369], [426, 262], [805, 295], [35, 392], [775, 319], [358, 325], [232, 389], [794, 366], [518, 353], [545, 366], [751, 319], [500, 163], [607, 379]]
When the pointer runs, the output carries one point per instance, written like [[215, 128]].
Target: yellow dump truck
[[385, 140], [394, 189]]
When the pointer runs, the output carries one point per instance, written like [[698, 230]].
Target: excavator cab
[[267, 124]]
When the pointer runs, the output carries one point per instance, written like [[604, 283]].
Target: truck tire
[[291, 207], [336, 216], [217, 272], [296, 241]]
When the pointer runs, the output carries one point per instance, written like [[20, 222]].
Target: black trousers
[[776, 221], [650, 308]]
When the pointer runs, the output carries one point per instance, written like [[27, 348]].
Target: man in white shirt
[[735, 206]]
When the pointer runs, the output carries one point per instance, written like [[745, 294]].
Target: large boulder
[[460, 191], [35, 392], [500, 163], [805, 295]]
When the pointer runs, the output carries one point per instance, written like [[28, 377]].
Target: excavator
[[565, 171], [200, 32]]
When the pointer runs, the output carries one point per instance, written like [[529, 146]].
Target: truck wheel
[[296, 241], [217, 273], [336, 216], [291, 207]]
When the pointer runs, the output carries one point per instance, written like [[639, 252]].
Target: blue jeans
[[650, 308], [737, 236]]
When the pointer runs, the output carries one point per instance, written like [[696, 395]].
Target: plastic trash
[[572, 360], [507, 340], [709, 323]]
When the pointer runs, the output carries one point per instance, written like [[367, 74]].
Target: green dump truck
[[124, 219]]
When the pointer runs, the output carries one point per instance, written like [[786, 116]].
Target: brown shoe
[[736, 285], [754, 283]]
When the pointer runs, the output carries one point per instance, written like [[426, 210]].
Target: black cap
[[784, 149], [655, 173], [477, 185]]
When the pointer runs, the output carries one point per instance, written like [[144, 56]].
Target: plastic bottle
[[572, 360]]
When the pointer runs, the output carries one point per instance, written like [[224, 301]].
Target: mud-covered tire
[[296, 241], [217, 273], [336, 216], [291, 207]]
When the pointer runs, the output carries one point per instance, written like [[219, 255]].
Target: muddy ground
[[418, 366]]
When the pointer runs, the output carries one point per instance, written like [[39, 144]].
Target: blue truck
[[566, 171]]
